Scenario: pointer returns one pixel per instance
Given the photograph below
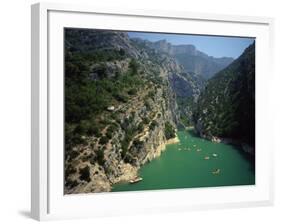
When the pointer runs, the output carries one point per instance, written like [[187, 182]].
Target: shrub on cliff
[[140, 127], [153, 124], [146, 120], [169, 131], [124, 146], [71, 183], [94, 130], [103, 140], [132, 91], [70, 170], [134, 66], [137, 144], [100, 157], [109, 134], [85, 174]]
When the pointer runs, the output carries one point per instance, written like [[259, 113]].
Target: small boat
[[215, 155], [179, 149], [135, 180], [217, 171], [206, 157], [199, 150]]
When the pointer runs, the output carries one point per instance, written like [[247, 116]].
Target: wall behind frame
[[15, 110]]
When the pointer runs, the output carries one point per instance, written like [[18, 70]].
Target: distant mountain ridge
[[192, 60], [186, 85]]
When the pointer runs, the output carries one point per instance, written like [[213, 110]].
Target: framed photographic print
[[148, 111]]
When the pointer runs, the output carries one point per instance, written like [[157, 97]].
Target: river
[[194, 162]]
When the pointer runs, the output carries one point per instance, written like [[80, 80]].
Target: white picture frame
[[48, 201]]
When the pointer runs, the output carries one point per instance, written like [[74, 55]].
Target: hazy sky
[[216, 46]]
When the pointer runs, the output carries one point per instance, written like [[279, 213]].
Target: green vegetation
[[227, 106], [152, 125], [169, 131], [132, 91], [89, 93], [134, 66], [110, 131], [130, 132], [93, 160], [137, 144], [103, 140], [93, 130], [100, 157], [71, 183], [86, 98], [185, 121], [70, 170], [85, 174], [73, 154], [147, 105], [146, 120], [186, 106], [124, 147], [140, 126]]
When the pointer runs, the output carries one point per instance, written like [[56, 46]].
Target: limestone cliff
[[128, 87]]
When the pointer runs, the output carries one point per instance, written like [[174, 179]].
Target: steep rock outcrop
[[128, 102], [192, 60], [226, 108], [185, 85]]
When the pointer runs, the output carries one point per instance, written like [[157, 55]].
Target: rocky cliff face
[[193, 61], [185, 85], [205, 66], [226, 107], [126, 108], [83, 40]]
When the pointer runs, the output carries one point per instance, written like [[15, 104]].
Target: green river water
[[178, 167]]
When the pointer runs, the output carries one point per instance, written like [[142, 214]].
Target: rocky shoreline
[[162, 146], [245, 147], [127, 172], [132, 171]]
